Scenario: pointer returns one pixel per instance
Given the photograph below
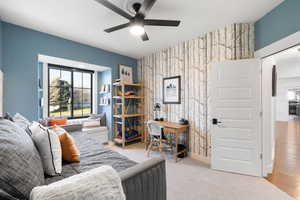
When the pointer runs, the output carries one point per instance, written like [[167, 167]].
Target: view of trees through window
[[70, 92]]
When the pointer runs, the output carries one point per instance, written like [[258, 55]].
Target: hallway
[[286, 172]]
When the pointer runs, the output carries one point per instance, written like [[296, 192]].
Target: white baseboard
[[205, 160]]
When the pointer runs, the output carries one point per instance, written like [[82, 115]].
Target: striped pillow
[[48, 145]]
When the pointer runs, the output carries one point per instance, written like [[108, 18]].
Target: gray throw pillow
[[20, 164], [5, 196], [8, 117], [48, 145], [21, 121]]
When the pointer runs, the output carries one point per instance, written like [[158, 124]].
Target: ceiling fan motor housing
[[129, 5], [136, 7]]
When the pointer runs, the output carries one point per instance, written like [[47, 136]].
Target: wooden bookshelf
[[128, 112], [128, 115], [128, 97], [120, 84]]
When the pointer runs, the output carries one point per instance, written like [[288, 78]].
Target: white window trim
[[70, 63]]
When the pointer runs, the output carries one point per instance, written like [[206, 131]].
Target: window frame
[[72, 70]]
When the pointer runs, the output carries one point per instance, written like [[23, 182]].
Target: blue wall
[[279, 23], [20, 64]]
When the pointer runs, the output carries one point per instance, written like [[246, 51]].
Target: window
[[69, 92]]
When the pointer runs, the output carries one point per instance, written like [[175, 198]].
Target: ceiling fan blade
[[157, 22], [146, 7], [145, 37], [114, 8], [115, 28]]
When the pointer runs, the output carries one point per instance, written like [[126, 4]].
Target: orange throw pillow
[[58, 122], [70, 152]]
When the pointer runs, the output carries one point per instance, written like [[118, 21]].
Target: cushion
[[18, 154], [48, 145], [8, 117], [21, 121], [5, 196], [58, 122], [101, 183], [70, 152], [101, 117], [91, 123]]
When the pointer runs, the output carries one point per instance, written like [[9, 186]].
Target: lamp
[[156, 111], [137, 30]]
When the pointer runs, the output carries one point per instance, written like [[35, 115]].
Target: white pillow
[[101, 183], [21, 121], [91, 123], [48, 145]]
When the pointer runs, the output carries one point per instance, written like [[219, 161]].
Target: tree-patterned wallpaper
[[191, 60]]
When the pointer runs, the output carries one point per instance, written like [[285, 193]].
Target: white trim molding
[[95, 93], [268, 102], [70, 63], [285, 43], [45, 90]]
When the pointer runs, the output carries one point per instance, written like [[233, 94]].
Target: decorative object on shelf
[[104, 101], [172, 90], [156, 110], [183, 122], [105, 89], [125, 73]]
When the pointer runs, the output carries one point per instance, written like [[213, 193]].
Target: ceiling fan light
[[137, 30]]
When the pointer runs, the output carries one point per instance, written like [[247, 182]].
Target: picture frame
[[125, 73], [172, 90]]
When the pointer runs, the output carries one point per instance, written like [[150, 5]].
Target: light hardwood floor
[[286, 172]]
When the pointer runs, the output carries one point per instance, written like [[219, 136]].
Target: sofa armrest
[[145, 181]]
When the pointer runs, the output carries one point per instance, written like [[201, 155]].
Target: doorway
[[285, 121]]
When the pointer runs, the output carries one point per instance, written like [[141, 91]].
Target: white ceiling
[[84, 20]]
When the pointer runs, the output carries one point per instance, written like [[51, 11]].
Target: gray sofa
[[141, 181]]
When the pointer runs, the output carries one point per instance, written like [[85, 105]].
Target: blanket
[[101, 183]]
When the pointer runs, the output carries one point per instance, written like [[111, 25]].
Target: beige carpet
[[191, 180]]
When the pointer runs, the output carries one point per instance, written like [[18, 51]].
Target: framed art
[[274, 81], [172, 90], [125, 73]]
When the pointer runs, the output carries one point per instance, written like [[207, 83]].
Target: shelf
[[104, 92], [128, 84], [104, 104], [120, 141], [128, 115], [128, 97]]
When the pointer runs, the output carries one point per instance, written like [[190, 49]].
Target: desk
[[177, 129]]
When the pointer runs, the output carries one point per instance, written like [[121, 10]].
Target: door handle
[[215, 121]]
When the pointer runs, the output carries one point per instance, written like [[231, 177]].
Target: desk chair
[[156, 137]]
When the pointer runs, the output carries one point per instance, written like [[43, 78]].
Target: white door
[[236, 103]]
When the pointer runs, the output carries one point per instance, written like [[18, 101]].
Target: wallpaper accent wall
[[191, 60]]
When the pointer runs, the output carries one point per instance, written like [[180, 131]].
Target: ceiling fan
[[138, 21]]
